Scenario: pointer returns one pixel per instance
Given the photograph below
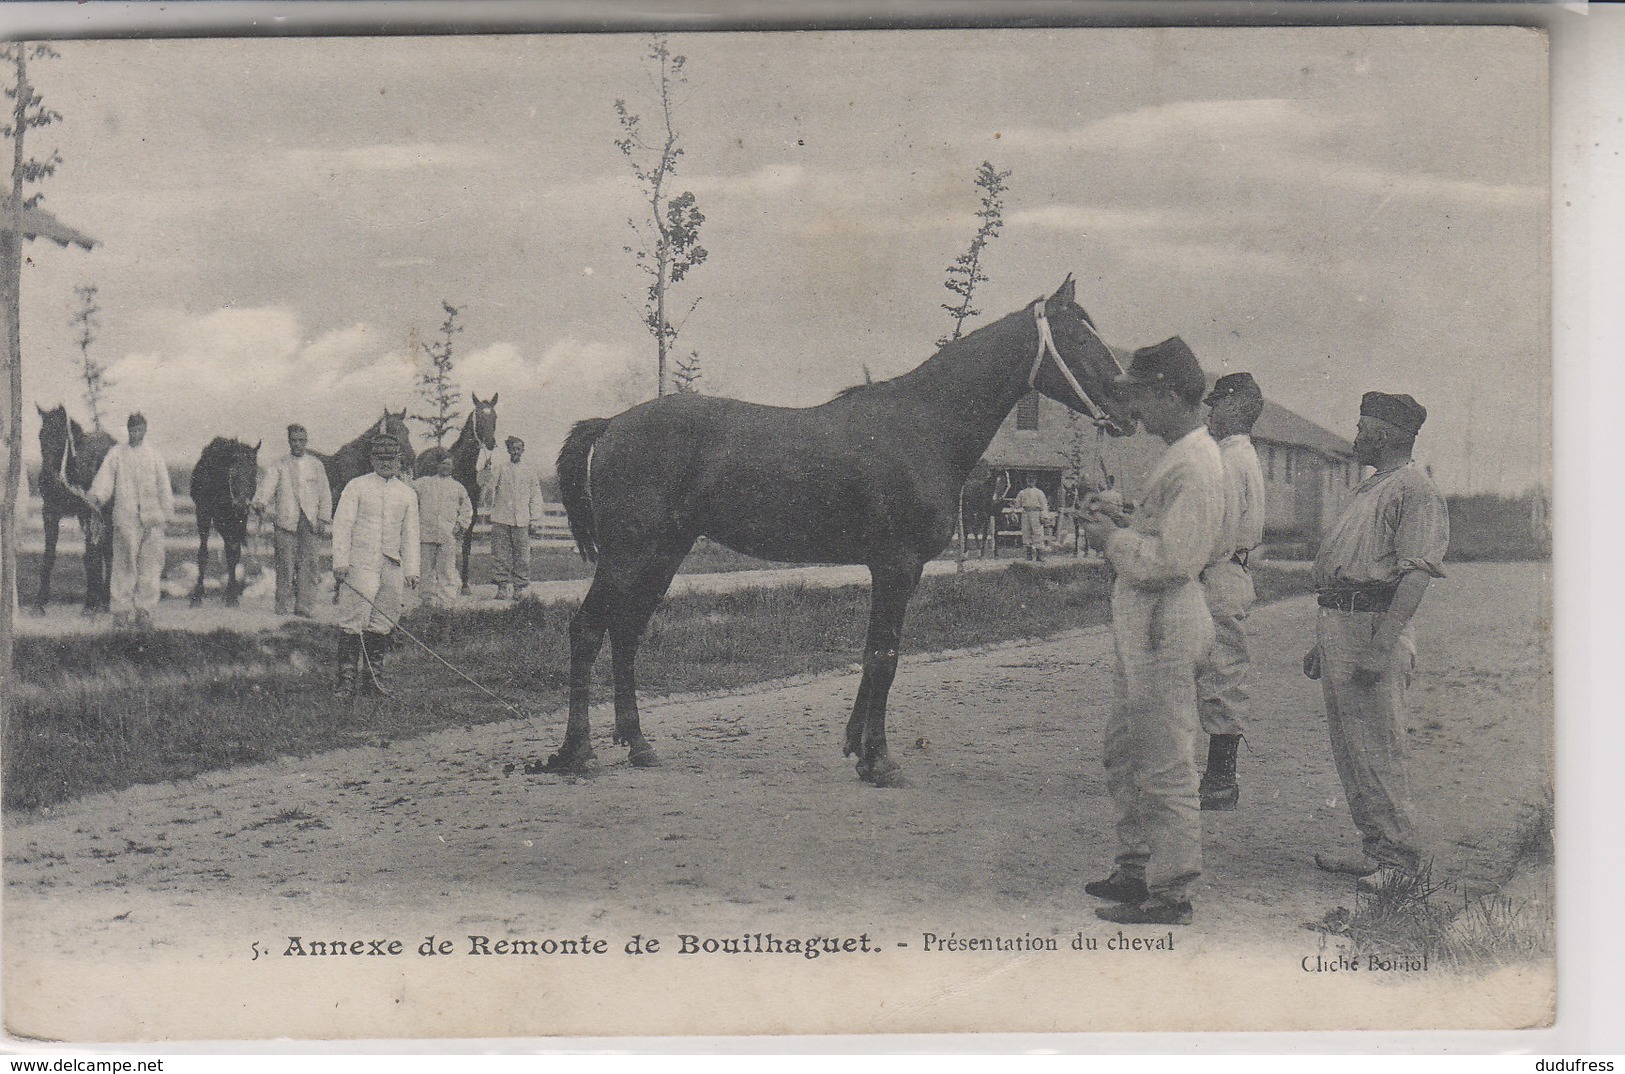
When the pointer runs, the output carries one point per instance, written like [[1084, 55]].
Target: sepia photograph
[[664, 533]]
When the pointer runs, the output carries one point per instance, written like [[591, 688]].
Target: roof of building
[[1279, 425], [39, 224]]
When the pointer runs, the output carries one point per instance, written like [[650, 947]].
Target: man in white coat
[[513, 498], [375, 560], [135, 478], [444, 514], [301, 503]]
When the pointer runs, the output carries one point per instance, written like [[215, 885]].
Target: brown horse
[[979, 510], [222, 489], [355, 458], [871, 477], [479, 432]]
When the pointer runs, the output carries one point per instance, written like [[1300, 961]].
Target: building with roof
[[1309, 471]]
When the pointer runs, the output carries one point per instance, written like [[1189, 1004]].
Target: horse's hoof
[[37, 612], [644, 757], [577, 763], [885, 774], [197, 600]]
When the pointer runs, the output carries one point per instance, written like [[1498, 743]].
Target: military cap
[[512, 440], [433, 457], [1169, 364], [1233, 384], [135, 419], [1400, 411], [384, 444]]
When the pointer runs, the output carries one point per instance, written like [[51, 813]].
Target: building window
[[1027, 413], [1269, 462], [1286, 465]]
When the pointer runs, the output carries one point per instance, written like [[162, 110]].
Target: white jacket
[[294, 487], [376, 520], [137, 481], [513, 494]]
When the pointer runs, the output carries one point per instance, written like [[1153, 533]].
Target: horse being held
[[872, 477], [479, 434], [355, 458], [70, 458], [979, 510], [222, 491]]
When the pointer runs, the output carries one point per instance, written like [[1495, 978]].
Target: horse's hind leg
[[234, 555], [587, 627], [637, 603], [462, 560]]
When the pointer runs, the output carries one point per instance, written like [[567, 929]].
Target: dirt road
[[168, 910]]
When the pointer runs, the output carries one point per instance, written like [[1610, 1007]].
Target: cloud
[[387, 157], [1186, 124]]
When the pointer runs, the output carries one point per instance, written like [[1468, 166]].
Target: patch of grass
[[102, 712]]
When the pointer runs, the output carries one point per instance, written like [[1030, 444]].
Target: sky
[[279, 220]]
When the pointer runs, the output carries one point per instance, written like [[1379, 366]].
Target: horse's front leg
[[893, 586], [53, 528], [234, 583], [202, 559], [462, 560]]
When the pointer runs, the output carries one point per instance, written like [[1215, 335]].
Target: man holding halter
[[375, 560], [135, 478]]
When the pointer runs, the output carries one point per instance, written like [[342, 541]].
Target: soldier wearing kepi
[[1221, 677], [1371, 575], [1161, 627], [375, 560]]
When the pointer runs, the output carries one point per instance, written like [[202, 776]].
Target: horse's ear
[[476, 397], [494, 398], [1067, 292], [258, 445]]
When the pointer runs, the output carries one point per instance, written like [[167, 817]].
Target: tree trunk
[[10, 299]]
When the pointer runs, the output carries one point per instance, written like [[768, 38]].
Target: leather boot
[[349, 654], [375, 646], [1219, 788]]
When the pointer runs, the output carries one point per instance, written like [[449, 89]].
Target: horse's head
[[53, 430], [242, 472], [484, 421], [1075, 367]]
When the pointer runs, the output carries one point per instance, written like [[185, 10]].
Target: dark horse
[[355, 458], [871, 477], [69, 459], [222, 490], [979, 510], [479, 431]]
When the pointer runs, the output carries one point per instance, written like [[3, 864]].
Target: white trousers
[[1221, 675], [138, 567], [384, 587]]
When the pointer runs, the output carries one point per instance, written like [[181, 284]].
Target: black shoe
[[1151, 912], [1118, 888]]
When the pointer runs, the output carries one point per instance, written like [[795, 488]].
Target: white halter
[[1046, 347]]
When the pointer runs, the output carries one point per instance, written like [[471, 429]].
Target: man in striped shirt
[[1221, 677], [1161, 627]]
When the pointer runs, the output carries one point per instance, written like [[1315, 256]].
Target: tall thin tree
[[91, 370], [27, 112], [667, 246], [966, 271], [435, 384], [686, 377]]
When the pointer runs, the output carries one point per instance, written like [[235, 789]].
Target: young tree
[[668, 238], [91, 371], [27, 112], [435, 385], [966, 271], [686, 377]]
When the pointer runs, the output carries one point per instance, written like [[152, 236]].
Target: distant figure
[[1221, 677], [297, 492], [1032, 503], [513, 498], [375, 560], [135, 479], [1371, 574], [444, 515]]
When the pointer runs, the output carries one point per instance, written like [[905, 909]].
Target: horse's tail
[[573, 459]]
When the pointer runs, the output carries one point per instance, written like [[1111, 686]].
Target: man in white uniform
[[375, 560], [444, 513], [295, 489], [513, 498], [1221, 676], [1032, 503], [1161, 627], [135, 477]]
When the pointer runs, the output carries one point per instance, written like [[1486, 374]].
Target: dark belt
[[1369, 599]]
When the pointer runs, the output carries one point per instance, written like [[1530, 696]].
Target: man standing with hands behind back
[[513, 498], [301, 501], [1372, 572], [1161, 627]]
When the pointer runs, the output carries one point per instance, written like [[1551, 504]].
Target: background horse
[[222, 489], [872, 477], [355, 458], [479, 433], [979, 510], [70, 458]]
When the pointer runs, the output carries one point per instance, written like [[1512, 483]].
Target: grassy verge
[[101, 712]]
